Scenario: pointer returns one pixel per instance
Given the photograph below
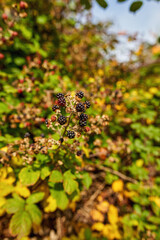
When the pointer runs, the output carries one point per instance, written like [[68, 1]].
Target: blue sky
[[145, 21]]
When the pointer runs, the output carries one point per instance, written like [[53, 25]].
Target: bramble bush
[[79, 131]]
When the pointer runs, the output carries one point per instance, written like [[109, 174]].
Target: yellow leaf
[[156, 50], [97, 216], [4, 149], [86, 151], [52, 204], [91, 80], [129, 194], [98, 226], [153, 90], [103, 206], [111, 231], [118, 185], [2, 202], [112, 214], [100, 72], [156, 200], [139, 163], [22, 190]]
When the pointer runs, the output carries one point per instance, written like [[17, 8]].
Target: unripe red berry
[[20, 90], [4, 16], [14, 34], [28, 124], [87, 129], [53, 118], [42, 119], [21, 80], [1, 56], [37, 89], [23, 5]]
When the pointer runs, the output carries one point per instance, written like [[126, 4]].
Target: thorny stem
[[65, 129]]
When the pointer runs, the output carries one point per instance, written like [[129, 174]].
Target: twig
[[115, 172]]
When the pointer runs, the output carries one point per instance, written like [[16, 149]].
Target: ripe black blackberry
[[83, 117], [79, 153], [87, 103], [62, 120], [27, 134], [82, 123], [80, 107], [61, 102], [55, 107], [42, 135], [60, 95], [80, 94], [61, 140], [70, 134], [46, 121]]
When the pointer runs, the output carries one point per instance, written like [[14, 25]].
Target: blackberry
[[70, 134], [79, 153], [42, 135], [55, 107], [82, 123], [80, 94], [27, 134], [62, 120], [46, 121], [83, 116], [61, 102], [61, 140], [87, 103], [60, 95], [80, 107]]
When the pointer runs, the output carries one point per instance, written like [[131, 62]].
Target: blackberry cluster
[[82, 123], [61, 102], [79, 153], [87, 103], [55, 107], [80, 94], [27, 134], [60, 95], [80, 107], [83, 117], [62, 120], [70, 134]]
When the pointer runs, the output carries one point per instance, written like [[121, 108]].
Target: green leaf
[[34, 213], [42, 19], [14, 205], [20, 224], [9, 89], [86, 3], [68, 174], [5, 189], [70, 185], [61, 198], [135, 6], [87, 180], [45, 171], [35, 197], [56, 176], [28, 176], [3, 108], [102, 3]]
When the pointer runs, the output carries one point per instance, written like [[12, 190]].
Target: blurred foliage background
[[50, 47]]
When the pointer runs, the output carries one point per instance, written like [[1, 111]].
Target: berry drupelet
[[80, 94], [55, 107], [80, 107], [26, 135], [62, 120], [82, 123], [87, 103], [62, 102], [60, 95], [83, 117], [70, 134]]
